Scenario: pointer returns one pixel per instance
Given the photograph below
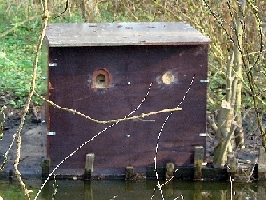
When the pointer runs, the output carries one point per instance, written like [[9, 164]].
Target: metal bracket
[[52, 64], [204, 81], [203, 134], [50, 133]]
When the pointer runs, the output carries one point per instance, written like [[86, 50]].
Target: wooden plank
[[134, 33]]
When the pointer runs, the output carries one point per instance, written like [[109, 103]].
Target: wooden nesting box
[[104, 71]]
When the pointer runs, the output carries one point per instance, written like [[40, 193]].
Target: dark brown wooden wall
[[139, 65]]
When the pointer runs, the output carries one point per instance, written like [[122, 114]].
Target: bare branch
[[27, 105], [212, 124], [143, 115]]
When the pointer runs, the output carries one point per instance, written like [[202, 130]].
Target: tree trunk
[[89, 10], [224, 134], [238, 48]]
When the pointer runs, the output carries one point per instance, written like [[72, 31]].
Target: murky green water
[[138, 190]]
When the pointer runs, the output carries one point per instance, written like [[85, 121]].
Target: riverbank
[[33, 153], [32, 148]]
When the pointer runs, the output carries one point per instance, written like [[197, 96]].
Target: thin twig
[[158, 139], [27, 104], [75, 112], [88, 141]]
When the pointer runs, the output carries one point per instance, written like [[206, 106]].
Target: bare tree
[[89, 10]]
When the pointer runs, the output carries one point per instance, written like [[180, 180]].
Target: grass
[[18, 49]]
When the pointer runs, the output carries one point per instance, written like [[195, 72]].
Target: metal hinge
[[52, 64], [50, 133], [204, 81], [203, 134]]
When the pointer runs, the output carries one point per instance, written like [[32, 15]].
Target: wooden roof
[[117, 34]]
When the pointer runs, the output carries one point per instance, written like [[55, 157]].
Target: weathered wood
[[169, 170], [198, 160], [111, 34], [158, 53], [262, 164], [231, 165], [129, 173], [45, 167], [89, 165]]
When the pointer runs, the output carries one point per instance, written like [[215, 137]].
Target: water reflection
[[101, 190], [138, 190]]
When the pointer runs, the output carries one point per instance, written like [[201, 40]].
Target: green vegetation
[[16, 54], [12, 190], [20, 25], [236, 58]]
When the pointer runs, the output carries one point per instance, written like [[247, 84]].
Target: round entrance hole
[[101, 78], [168, 78], [100, 81]]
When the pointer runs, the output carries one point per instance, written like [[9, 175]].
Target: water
[[136, 190]]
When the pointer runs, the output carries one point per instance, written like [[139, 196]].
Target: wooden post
[[198, 160], [89, 166], [129, 173], [262, 164], [232, 165], [45, 168], [169, 170]]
